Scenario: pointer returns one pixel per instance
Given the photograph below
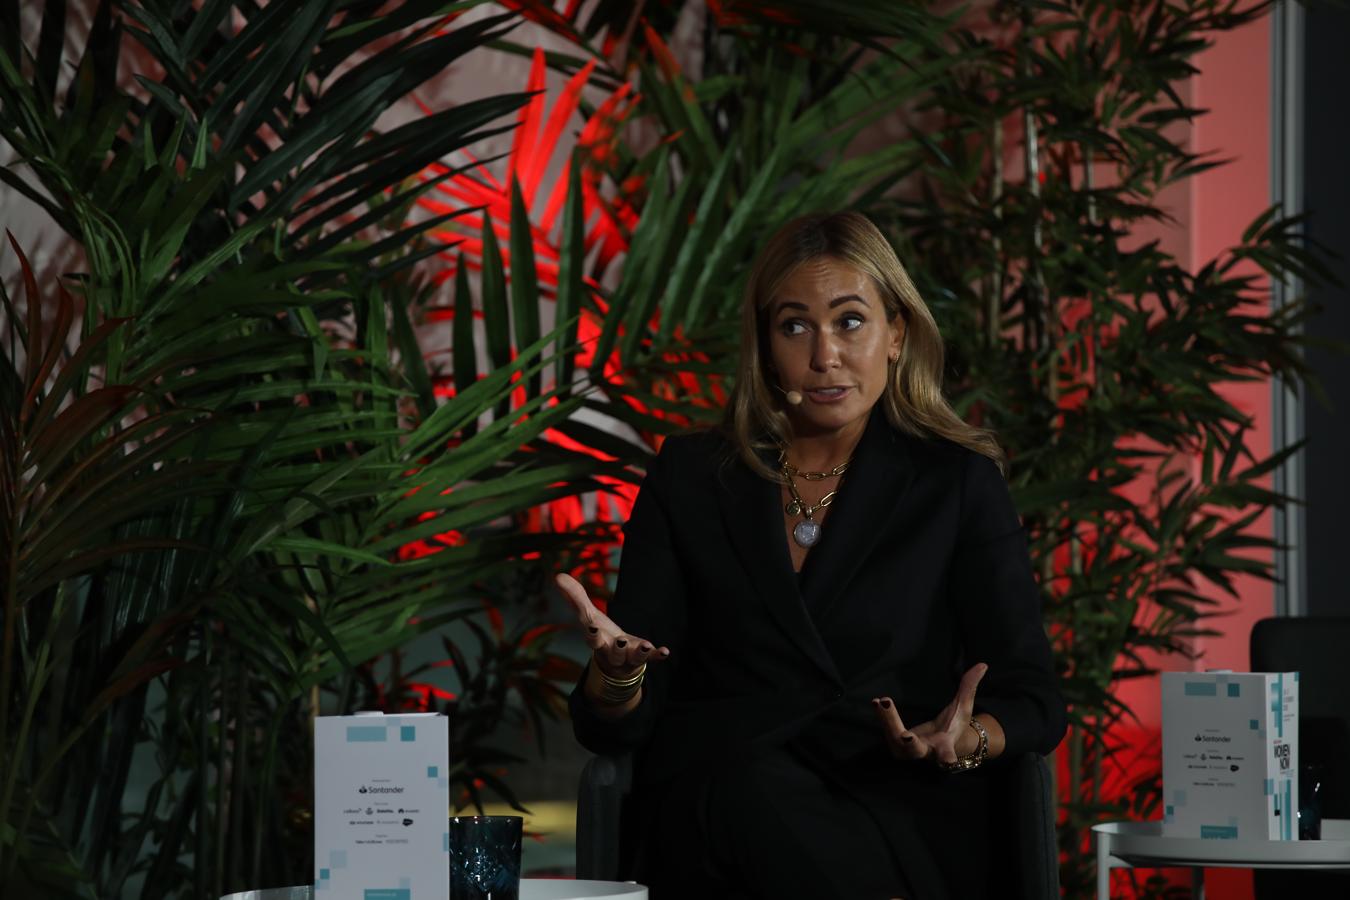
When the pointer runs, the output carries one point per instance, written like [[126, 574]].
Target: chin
[[830, 418]]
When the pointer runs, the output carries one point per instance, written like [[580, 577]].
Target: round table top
[[579, 889], [1147, 843], [530, 889]]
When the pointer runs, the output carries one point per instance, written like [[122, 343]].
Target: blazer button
[[839, 695]]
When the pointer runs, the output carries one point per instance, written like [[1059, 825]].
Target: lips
[[827, 394]]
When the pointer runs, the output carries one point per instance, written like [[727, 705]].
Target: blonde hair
[[913, 400]]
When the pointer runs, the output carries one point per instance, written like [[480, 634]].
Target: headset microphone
[[794, 397]]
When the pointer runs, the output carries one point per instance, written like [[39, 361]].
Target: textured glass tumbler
[[485, 857]]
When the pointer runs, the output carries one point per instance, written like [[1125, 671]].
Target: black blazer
[[922, 570]]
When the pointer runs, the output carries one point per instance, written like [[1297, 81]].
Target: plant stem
[[264, 789], [204, 713], [238, 780], [1075, 763], [1099, 752], [994, 302], [37, 683], [1032, 164], [223, 796], [7, 660]]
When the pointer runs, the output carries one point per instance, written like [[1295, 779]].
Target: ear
[[897, 341]]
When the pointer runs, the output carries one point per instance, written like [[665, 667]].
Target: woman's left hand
[[942, 738]]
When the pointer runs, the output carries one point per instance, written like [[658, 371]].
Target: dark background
[[1326, 144]]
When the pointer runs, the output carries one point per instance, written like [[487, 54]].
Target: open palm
[[937, 738], [617, 653]]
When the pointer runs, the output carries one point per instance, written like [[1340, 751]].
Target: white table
[[1130, 844], [530, 889]]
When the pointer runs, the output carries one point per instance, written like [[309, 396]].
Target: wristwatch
[[976, 756]]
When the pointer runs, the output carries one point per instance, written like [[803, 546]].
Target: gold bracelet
[[617, 691], [976, 756]]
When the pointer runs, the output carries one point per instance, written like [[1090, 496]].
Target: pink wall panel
[[1234, 82]]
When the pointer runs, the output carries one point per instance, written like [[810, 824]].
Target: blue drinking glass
[[485, 857]]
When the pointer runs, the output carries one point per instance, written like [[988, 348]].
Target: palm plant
[[207, 495], [1102, 361]]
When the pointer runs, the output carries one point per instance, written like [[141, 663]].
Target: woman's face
[[830, 340]]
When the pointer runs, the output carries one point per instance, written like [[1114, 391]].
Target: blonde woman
[[825, 632]]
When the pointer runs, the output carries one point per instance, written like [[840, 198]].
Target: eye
[[792, 327], [851, 321]]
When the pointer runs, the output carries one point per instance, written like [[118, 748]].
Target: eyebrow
[[837, 301]]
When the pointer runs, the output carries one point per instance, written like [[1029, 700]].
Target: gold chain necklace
[[806, 532]]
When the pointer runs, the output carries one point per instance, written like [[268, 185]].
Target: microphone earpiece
[[794, 398]]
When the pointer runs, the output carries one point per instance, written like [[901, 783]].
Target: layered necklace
[[806, 532]]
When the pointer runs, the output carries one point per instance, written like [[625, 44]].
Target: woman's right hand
[[615, 652]]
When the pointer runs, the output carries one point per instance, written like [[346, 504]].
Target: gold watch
[[975, 757]]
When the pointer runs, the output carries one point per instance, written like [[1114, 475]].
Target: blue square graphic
[[362, 733], [408, 733]]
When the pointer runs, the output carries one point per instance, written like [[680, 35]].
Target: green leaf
[[571, 285], [524, 280], [296, 544]]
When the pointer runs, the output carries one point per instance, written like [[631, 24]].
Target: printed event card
[[1230, 755], [381, 807]]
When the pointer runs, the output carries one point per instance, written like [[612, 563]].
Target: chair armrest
[[1038, 848], [605, 784]]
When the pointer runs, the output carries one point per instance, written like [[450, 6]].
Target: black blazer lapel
[[872, 492], [750, 511]]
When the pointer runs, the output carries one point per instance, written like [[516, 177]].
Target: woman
[[825, 631]]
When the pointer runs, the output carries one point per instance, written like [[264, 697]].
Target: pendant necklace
[[806, 532]]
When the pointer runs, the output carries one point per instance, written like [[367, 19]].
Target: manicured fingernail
[[621, 642], [645, 648], [593, 630], [665, 652], [885, 704]]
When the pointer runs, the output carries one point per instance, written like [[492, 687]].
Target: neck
[[823, 450]]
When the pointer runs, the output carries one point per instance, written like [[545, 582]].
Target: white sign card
[[381, 807], [1230, 755]]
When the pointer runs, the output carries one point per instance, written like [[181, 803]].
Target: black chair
[[1316, 647], [605, 784], [607, 780]]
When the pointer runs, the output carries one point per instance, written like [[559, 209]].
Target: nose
[[824, 352]]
